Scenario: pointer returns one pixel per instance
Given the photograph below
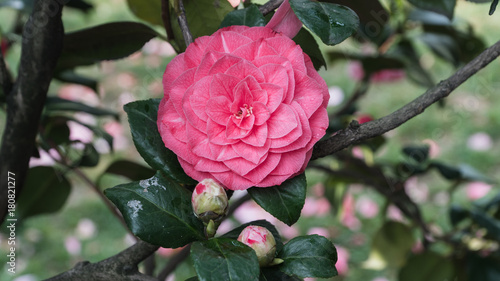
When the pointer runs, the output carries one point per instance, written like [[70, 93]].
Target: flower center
[[244, 111]]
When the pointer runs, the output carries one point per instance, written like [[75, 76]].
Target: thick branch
[[41, 47], [355, 132], [270, 6], [5, 79], [122, 266]]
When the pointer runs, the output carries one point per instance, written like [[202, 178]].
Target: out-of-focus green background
[[465, 130]]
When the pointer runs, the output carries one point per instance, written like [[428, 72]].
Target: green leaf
[[444, 7], [417, 153], [444, 46], [250, 16], [70, 76], [284, 201], [274, 274], [309, 45], [390, 246], [493, 7], [129, 169], [148, 10], [405, 52], [224, 259], [55, 130], [59, 104], [90, 157], [142, 120], [158, 211], [458, 214], [45, 191], [331, 22], [461, 172], [204, 18], [448, 172], [427, 266], [491, 225], [80, 5], [110, 41], [233, 234], [309, 256], [482, 268]]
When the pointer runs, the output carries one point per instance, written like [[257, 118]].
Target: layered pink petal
[[285, 21], [282, 122]]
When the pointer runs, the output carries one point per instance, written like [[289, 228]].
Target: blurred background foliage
[[420, 202]]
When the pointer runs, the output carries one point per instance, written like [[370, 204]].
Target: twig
[[355, 133], [270, 6], [181, 18], [174, 262], [41, 47], [122, 266], [165, 17]]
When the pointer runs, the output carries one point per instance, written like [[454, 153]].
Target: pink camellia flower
[[261, 240], [243, 106]]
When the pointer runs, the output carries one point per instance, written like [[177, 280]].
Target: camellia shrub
[[245, 112]]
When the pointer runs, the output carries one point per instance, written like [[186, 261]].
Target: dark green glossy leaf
[[390, 246], [443, 46], [224, 259], [194, 278], [89, 158], [80, 5], [285, 201], [250, 16], [55, 130], [419, 154], [309, 256], [469, 173], [427, 266], [482, 268], [331, 22], [444, 7], [274, 274], [158, 211], [129, 169], [486, 221], [448, 172], [233, 234], [45, 191], [309, 45], [148, 10], [406, 53], [70, 76], [142, 120], [59, 104], [204, 18], [493, 7], [458, 214], [108, 41]]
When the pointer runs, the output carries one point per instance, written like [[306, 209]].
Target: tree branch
[[355, 132], [41, 47], [181, 18], [270, 6], [122, 266], [174, 262], [5, 79]]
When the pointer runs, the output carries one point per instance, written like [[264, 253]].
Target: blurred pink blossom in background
[[480, 142], [434, 149], [79, 93], [342, 264], [72, 245], [315, 207], [476, 190], [348, 216], [356, 72], [319, 231], [394, 213], [417, 191], [336, 96], [367, 207]]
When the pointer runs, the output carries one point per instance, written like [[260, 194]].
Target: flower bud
[[209, 201], [261, 241]]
